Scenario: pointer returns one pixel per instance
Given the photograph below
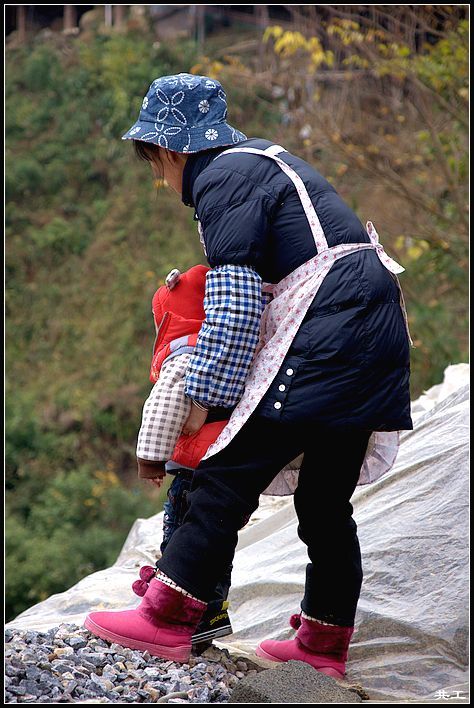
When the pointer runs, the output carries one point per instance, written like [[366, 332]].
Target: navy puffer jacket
[[349, 363]]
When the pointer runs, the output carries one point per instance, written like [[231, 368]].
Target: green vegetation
[[89, 238]]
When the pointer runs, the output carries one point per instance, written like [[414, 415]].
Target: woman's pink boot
[[162, 624], [323, 646]]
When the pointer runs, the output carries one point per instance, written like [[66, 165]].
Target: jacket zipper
[[160, 331]]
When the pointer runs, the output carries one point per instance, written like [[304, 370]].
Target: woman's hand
[[195, 421]]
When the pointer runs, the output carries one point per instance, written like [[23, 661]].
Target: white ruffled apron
[[282, 317]]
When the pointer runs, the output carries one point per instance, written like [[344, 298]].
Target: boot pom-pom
[[140, 587], [147, 573], [295, 621]]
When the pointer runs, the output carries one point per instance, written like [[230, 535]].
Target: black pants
[[226, 489], [175, 509]]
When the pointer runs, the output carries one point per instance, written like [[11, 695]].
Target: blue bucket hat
[[184, 113]]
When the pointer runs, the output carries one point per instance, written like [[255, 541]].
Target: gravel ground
[[67, 664]]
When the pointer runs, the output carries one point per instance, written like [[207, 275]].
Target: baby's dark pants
[[174, 511], [225, 490]]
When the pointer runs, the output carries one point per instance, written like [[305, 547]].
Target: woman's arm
[[216, 373], [234, 214]]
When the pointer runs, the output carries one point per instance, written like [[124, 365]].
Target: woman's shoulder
[[239, 174]]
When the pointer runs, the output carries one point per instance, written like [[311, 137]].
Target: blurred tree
[[78, 524], [377, 97]]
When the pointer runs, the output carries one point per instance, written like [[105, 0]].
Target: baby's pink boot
[[162, 624], [323, 646]]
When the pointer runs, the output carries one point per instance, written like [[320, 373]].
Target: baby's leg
[[175, 507]]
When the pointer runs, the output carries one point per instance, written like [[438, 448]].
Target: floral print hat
[[184, 113]]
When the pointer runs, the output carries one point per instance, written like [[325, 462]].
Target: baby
[[178, 314], [169, 416]]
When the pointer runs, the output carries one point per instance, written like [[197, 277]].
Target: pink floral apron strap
[[393, 267], [309, 210]]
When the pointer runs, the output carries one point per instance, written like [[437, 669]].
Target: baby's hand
[[156, 481], [195, 421]]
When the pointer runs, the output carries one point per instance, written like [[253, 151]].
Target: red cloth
[[179, 312], [190, 449]]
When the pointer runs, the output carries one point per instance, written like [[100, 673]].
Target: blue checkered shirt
[[225, 347]]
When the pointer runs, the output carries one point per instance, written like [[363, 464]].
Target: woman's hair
[[148, 152]]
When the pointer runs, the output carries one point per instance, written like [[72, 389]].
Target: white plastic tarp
[[411, 633]]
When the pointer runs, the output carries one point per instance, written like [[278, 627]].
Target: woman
[[331, 366]]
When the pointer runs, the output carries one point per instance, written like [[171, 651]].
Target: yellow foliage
[[347, 31], [107, 477], [214, 69], [356, 60], [414, 253], [287, 43], [274, 31], [400, 242]]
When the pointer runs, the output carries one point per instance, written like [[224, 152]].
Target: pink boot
[[324, 647], [162, 624]]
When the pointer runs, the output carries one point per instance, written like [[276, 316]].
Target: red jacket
[[178, 313]]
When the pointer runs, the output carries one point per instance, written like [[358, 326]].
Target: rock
[[17, 690], [159, 686], [14, 672], [153, 673], [83, 665], [291, 682], [116, 648], [64, 631], [66, 664], [67, 676], [69, 686], [62, 652], [95, 658], [30, 637], [199, 694], [152, 693], [45, 665], [232, 681], [77, 642], [33, 688], [33, 672], [60, 666]]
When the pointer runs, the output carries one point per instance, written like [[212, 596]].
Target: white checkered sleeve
[[228, 338], [165, 411]]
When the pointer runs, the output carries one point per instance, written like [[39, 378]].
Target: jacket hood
[[178, 309]]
